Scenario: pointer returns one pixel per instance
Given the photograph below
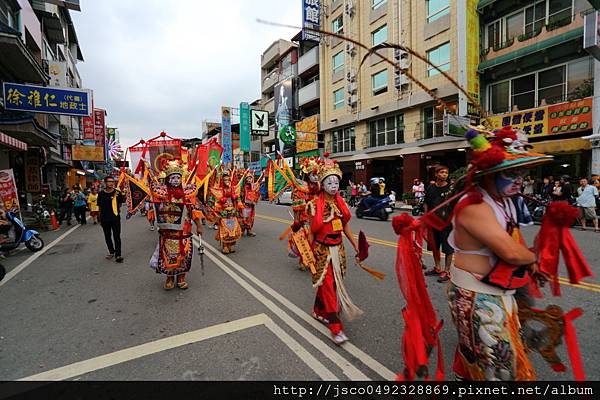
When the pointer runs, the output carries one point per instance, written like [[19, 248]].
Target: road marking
[[366, 359], [592, 287], [35, 256], [169, 343], [347, 368]]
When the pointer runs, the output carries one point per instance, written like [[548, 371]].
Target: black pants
[[114, 228], [80, 214], [65, 213]]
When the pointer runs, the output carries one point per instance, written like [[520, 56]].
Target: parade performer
[[174, 211], [226, 210], [250, 195], [328, 217], [493, 263]]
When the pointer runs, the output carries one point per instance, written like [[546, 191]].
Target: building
[[375, 120], [536, 75]]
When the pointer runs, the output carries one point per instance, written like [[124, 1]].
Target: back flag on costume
[[137, 193], [161, 151]]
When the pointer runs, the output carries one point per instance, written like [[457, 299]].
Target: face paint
[[331, 184], [174, 180], [508, 183], [314, 178]]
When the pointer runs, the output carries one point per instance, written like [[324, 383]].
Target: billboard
[[88, 153], [560, 118], [8, 191], [244, 127], [99, 126], [88, 128], [283, 116], [75, 102], [307, 136], [311, 18], [259, 122], [58, 73], [468, 56], [226, 139]]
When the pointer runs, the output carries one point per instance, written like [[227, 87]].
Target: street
[[70, 314]]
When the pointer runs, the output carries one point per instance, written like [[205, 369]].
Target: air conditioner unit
[[352, 100], [351, 75], [399, 54], [352, 87], [350, 8], [350, 48], [400, 80]]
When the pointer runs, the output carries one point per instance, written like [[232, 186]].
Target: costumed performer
[[226, 209], [251, 195]]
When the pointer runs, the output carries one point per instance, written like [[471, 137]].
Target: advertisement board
[[88, 153], [307, 134], [50, 100], [8, 191], [226, 139]]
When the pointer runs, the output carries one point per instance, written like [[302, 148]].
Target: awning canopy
[[12, 143], [556, 146], [23, 126], [534, 48], [17, 63]]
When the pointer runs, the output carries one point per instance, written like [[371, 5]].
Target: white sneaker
[[340, 338]]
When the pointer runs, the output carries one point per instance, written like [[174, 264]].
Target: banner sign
[[245, 127], [50, 100], [33, 176], [58, 73], [311, 16], [8, 191], [111, 133], [226, 140], [259, 122], [307, 137], [468, 53], [88, 153], [88, 128], [549, 120], [99, 126], [162, 151]]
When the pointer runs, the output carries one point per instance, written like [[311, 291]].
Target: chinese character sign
[[311, 16], [88, 153], [99, 126], [226, 139], [88, 128], [534, 122], [33, 182], [51, 100], [8, 191], [245, 127]]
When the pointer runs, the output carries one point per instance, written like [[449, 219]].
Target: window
[[338, 62], [439, 56], [552, 85], [379, 82], [535, 17], [7, 16], [338, 99], [499, 97], [433, 119], [437, 9], [375, 4], [494, 34], [514, 25], [344, 140], [580, 73], [386, 131], [523, 92], [337, 25], [379, 36], [559, 10]]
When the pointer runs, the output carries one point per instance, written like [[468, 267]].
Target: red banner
[[161, 151], [99, 126], [88, 128], [8, 191]]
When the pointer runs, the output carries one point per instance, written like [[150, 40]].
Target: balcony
[[269, 82], [308, 60], [308, 93], [270, 106], [550, 35], [276, 49]]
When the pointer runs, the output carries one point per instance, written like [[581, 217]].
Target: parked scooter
[[381, 209], [31, 238], [419, 207]]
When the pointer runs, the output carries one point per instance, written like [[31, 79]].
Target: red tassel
[[573, 344]]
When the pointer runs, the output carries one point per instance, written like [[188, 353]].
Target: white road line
[[347, 368], [366, 359], [35, 256], [169, 343]]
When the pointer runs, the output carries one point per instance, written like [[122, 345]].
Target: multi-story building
[[536, 75], [376, 121]]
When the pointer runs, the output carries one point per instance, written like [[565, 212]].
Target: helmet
[[373, 180]]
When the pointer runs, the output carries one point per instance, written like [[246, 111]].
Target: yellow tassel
[[376, 274]]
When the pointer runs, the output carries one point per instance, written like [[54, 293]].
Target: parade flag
[[162, 151], [137, 192], [278, 179]]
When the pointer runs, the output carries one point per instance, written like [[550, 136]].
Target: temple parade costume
[[492, 266], [227, 207], [251, 196]]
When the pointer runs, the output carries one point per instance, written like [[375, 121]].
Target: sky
[[167, 65]]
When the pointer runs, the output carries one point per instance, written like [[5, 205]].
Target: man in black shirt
[[436, 194], [110, 219]]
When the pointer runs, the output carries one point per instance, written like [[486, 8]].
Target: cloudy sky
[[167, 65]]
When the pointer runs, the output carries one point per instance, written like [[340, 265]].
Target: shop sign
[[8, 191], [51, 100], [359, 165], [307, 134], [33, 179], [88, 153]]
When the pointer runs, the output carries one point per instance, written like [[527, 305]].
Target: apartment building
[[376, 121], [536, 76]]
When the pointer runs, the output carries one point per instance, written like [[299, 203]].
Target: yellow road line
[[565, 281]]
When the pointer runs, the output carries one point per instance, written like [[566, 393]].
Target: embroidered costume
[[226, 211], [250, 196]]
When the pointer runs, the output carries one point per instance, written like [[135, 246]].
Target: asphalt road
[[67, 313]]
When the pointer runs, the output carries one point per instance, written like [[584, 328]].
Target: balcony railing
[[308, 60], [309, 93]]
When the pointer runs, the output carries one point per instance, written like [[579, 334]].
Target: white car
[[285, 197]]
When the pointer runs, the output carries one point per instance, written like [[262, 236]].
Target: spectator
[[557, 191], [353, 194], [66, 206], [381, 187], [566, 189], [418, 190], [434, 196], [110, 218], [362, 189], [79, 205], [547, 188], [528, 186], [93, 205], [586, 201]]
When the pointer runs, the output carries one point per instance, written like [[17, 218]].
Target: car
[[285, 197]]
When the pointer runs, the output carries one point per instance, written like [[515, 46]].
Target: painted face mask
[[314, 178], [331, 184], [508, 183], [175, 180]]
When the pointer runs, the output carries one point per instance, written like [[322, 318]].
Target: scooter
[[31, 238], [381, 209], [418, 208]]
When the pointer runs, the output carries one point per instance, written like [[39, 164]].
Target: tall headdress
[[329, 167]]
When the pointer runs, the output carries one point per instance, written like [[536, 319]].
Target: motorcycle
[[418, 208], [31, 238], [381, 209], [41, 213]]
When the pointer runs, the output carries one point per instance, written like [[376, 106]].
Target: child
[[93, 205]]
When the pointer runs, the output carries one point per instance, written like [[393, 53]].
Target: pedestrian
[[353, 194], [381, 187], [528, 186], [66, 206], [586, 201], [435, 195], [567, 194], [109, 203], [79, 205], [93, 205], [557, 191], [418, 190], [547, 188]]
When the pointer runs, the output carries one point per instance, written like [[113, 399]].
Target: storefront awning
[[24, 126], [534, 48], [562, 146], [12, 143]]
